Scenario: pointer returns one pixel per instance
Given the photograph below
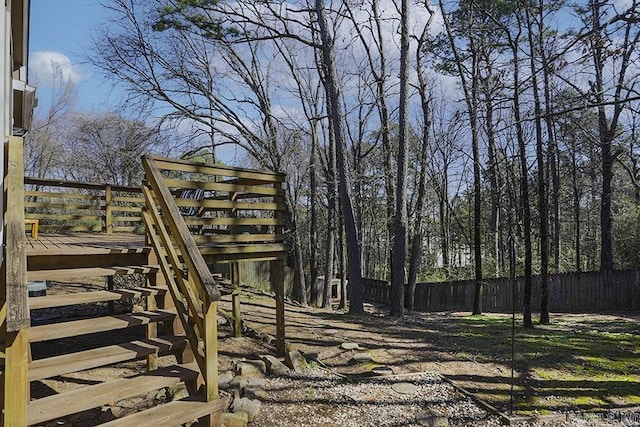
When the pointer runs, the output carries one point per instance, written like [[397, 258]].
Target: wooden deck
[[85, 243]]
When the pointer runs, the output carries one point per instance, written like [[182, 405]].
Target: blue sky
[[61, 31]]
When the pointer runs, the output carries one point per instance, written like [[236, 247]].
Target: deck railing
[[192, 286], [197, 215], [63, 206]]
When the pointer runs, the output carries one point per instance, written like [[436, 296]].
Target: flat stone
[[296, 361], [274, 365], [252, 368], [238, 419], [361, 358], [256, 382], [224, 378], [238, 382], [116, 412], [404, 388], [254, 392], [382, 370], [250, 406], [330, 331], [350, 346]]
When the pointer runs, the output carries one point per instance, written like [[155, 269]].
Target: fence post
[[108, 216]]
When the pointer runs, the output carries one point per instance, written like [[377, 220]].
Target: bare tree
[[425, 103], [470, 89], [335, 111], [107, 148], [611, 38], [44, 143]]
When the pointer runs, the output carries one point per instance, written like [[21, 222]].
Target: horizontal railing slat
[[229, 188], [229, 205], [55, 195], [218, 170], [233, 221]]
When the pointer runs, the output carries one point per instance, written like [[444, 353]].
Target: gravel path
[[319, 398]]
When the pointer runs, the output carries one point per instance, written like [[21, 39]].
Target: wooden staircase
[[148, 331], [173, 312]]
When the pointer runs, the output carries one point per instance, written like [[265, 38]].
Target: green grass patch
[[576, 362]]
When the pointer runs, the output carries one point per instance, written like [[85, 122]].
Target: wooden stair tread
[[97, 324], [69, 273], [83, 360], [62, 300], [86, 249], [60, 405], [173, 413]]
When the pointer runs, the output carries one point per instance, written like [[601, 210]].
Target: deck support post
[[237, 319], [152, 327], [14, 383], [111, 286], [210, 336], [278, 286]]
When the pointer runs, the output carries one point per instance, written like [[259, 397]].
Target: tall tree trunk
[[298, 273], [492, 171], [542, 185], [313, 221], [471, 100], [524, 189], [443, 210], [332, 192], [299, 292], [416, 241], [603, 39], [379, 74], [342, 265], [387, 150], [400, 228], [334, 108], [577, 193]]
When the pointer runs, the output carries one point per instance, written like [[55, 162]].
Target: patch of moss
[[588, 401]]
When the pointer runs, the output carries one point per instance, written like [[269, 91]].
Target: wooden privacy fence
[[588, 292], [64, 206]]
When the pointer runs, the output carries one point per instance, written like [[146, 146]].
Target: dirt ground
[[410, 348], [585, 379]]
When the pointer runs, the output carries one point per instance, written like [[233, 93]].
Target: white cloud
[[48, 66]]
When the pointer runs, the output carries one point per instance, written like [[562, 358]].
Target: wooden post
[[278, 286], [237, 319], [235, 278], [277, 278], [108, 216], [14, 384], [151, 329], [235, 300], [110, 287], [210, 337]]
